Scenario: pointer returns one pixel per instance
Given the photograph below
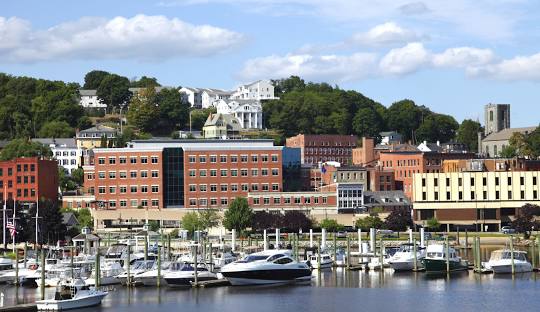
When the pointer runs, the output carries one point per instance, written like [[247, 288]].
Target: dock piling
[[415, 259], [335, 249], [512, 255], [265, 243], [195, 255], [42, 275], [158, 281], [447, 254], [348, 253], [16, 267]]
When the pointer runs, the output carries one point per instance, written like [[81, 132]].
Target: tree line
[[319, 108]]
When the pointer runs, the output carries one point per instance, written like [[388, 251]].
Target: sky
[[452, 56]]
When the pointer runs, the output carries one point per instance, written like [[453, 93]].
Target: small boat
[[72, 296], [149, 278], [6, 266], [403, 259], [266, 267], [500, 261], [182, 274], [435, 260], [108, 274], [137, 268], [375, 262], [221, 259], [326, 261]]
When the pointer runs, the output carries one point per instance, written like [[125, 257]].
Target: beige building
[[476, 200], [91, 138], [221, 126]]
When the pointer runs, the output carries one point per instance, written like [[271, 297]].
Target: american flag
[[11, 227]]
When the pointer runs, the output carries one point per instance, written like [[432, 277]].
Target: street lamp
[[121, 120]]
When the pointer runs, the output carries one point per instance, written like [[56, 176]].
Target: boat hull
[[187, 281], [439, 266], [406, 265], [62, 305], [507, 268], [261, 277]]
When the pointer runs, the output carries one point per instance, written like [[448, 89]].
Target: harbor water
[[334, 290]]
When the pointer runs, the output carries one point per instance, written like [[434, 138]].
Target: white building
[[65, 151], [89, 99], [258, 90], [209, 96], [248, 112], [191, 96]]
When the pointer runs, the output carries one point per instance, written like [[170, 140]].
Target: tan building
[[478, 200], [221, 126], [91, 138]]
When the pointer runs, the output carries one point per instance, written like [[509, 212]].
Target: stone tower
[[497, 118]]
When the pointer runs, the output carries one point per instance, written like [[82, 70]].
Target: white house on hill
[[89, 99], [258, 90], [248, 112]]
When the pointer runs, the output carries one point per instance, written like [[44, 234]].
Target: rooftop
[[505, 134]]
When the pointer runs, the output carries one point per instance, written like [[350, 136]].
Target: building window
[[522, 194], [534, 180], [484, 181], [224, 187], [254, 187], [32, 167], [123, 203], [509, 194], [155, 174], [122, 159], [509, 180], [265, 187], [133, 159], [264, 172], [424, 196], [497, 195], [535, 194], [154, 159], [254, 172], [155, 202], [144, 202], [133, 174], [277, 200], [472, 195], [447, 195], [192, 172], [264, 158], [213, 187], [191, 159], [101, 175], [144, 174], [224, 201], [460, 195], [213, 173], [521, 180], [234, 172], [112, 189], [234, 158], [144, 160], [254, 158], [287, 200], [244, 158], [297, 200], [203, 202], [274, 158], [112, 160], [202, 173], [472, 181], [192, 202], [202, 187], [266, 201], [460, 182], [256, 201], [245, 187], [133, 189], [244, 172], [497, 181], [101, 160], [423, 182], [275, 187], [436, 182], [223, 158], [213, 201], [123, 189], [213, 158], [144, 189], [436, 195], [202, 159], [101, 190], [192, 187], [223, 172]]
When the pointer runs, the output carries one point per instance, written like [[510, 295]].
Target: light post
[[191, 111], [121, 120]]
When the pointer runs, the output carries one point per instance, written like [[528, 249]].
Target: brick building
[[324, 147], [27, 178], [183, 173]]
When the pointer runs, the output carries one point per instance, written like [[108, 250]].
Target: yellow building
[[91, 138], [477, 200]]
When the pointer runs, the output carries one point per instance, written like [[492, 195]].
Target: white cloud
[[142, 37], [463, 57], [385, 34], [334, 68], [518, 68], [405, 60], [413, 8]]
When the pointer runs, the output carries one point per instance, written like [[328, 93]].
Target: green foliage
[[316, 108], [296, 220], [24, 148], [330, 225], [27, 104], [56, 129], [78, 176], [84, 217], [173, 113], [153, 225], [199, 116], [433, 224], [468, 134], [263, 220], [508, 152], [399, 219], [437, 127], [113, 90], [368, 122], [526, 145], [144, 82], [93, 79], [190, 222], [371, 221], [238, 216], [64, 180], [143, 111], [405, 117], [200, 220]]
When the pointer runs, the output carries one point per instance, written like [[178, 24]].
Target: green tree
[[399, 219], [437, 127], [174, 113], [113, 90], [330, 225], [525, 220], [238, 216], [368, 122], [433, 224], [263, 220], [209, 218], [145, 82], [24, 148], [93, 79], [77, 175], [191, 222], [468, 134], [85, 218], [405, 117], [143, 110], [508, 152], [64, 180], [296, 220], [199, 116], [369, 222], [51, 225], [56, 129]]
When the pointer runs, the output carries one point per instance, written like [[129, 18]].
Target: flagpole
[[37, 216], [14, 224], [4, 217]]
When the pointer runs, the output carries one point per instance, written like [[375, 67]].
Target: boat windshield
[[507, 254], [251, 258], [405, 248]]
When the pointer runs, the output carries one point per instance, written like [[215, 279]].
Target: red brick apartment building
[[324, 147], [24, 179], [183, 173]]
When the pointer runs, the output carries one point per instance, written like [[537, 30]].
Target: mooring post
[[128, 280], [447, 254], [335, 249], [415, 250], [348, 253], [158, 281], [42, 275], [319, 255], [97, 270], [211, 259], [381, 256], [512, 254], [265, 243], [25, 254], [196, 278], [16, 267]]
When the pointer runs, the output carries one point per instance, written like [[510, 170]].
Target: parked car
[[341, 234], [508, 230]]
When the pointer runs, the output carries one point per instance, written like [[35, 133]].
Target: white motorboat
[[6, 266], [266, 267], [437, 257], [375, 262], [137, 268], [221, 259], [74, 296], [182, 274], [403, 259], [326, 261], [500, 261], [149, 278], [108, 274], [56, 275]]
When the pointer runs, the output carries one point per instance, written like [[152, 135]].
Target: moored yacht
[[266, 267], [403, 259], [500, 261], [325, 262], [182, 274], [74, 296], [435, 260]]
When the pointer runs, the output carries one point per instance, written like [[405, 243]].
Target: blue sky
[[452, 56]]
